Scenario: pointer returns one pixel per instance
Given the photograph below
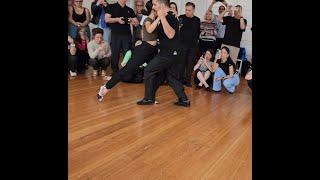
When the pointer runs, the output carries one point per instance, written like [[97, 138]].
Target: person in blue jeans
[[225, 72]]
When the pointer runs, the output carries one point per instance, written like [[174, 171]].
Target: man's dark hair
[[97, 31], [191, 4]]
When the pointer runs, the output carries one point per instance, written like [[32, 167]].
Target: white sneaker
[[101, 93], [95, 73], [73, 74], [103, 73]]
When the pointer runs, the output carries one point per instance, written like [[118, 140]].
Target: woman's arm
[[150, 27], [88, 17], [197, 65], [215, 65], [231, 73]]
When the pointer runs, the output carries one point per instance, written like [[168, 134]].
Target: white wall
[[202, 6]]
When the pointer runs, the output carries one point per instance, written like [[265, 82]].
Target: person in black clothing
[[235, 26], [189, 36], [120, 16], [140, 11], [98, 10], [142, 53], [168, 35]]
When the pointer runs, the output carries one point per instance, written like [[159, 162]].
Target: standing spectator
[[220, 27], [203, 70], [235, 26], [207, 33], [98, 12], [72, 58], [224, 71], [78, 17], [174, 9], [99, 52], [140, 11], [189, 36], [142, 53], [120, 16], [81, 42]]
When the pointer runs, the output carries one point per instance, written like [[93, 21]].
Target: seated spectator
[[81, 42], [99, 52], [207, 33], [224, 71], [72, 58], [174, 9], [203, 70], [248, 77], [78, 17]]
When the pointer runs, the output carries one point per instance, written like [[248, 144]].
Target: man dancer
[[168, 30]]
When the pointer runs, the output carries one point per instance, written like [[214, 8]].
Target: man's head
[[221, 9], [208, 15], [237, 12], [190, 7], [97, 35], [157, 4], [139, 6], [123, 2]]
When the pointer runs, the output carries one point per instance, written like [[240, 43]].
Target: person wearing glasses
[[140, 11], [79, 16]]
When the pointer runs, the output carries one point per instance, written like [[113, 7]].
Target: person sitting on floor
[[203, 70], [224, 71], [248, 77], [81, 42], [72, 58], [99, 52]]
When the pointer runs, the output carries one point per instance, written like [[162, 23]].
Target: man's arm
[[168, 30]]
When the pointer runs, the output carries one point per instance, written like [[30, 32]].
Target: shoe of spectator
[[95, 73], [73, 74], [103, 73]]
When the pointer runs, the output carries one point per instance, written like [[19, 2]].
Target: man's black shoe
[[145, 102]]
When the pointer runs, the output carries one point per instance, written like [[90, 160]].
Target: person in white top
[[99, 52]]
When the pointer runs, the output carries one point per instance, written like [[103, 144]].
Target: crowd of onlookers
[[209, 46]]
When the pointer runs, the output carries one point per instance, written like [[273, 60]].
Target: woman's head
[[173, 6], [209, 54], [78, 3], [225, 53], [208, 16], [97, 35], [81, 33]]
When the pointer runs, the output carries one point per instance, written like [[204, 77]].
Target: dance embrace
[[165, 27]]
